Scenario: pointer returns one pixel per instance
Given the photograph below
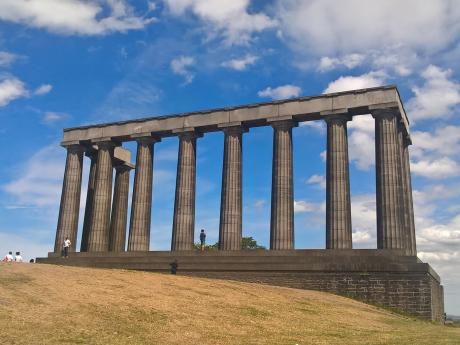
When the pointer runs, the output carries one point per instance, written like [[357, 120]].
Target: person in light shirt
[[66, 246], [8, 257], [18, 257]]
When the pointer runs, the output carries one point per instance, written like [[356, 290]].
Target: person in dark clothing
[[202, 239], [174, 265]]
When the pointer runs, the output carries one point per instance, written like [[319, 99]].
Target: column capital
[[145, 138], [283, 124], [187, 133], [336, 118], [384, 113], [105, 143], [234, 128], [73, 148], [123, 166]]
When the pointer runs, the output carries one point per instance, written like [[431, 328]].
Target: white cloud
[[179, 66], [437, 97], [371, 79], [7, 58], [363, 217], [69, 17], [442, 141], [318, 180], [302, 206], [349, 61], [280, 92], [230, 18], [43, 89], [240, 64], [361, 141], [330, 27], [52, 117], [39, 183], [11, 88], [436, 169]]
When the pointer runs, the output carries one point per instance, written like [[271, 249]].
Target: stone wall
[[418, 294]]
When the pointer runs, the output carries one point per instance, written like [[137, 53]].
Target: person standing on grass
[[18, 257], [66, 246], [202, 239]]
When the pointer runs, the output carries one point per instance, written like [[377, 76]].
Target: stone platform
[[382, 277]]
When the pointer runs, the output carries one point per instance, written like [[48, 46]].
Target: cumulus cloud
[[443, 141], [330, 27], [364, 220], [301, 206], [318, 180], [436, 169], [240, 64], [180, 67], [11, 88], [280, 92], [7, 58], [74, 17], [43, 89], [346, 83], [229, 18], [349, 61], [437, 97]]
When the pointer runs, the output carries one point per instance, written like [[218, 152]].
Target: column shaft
[[388, 180], [282, 207], [338, 205], [409, 223], [230, 228], [119, 219], [98, 240], [70, 199], [89, 202], [184, 204], [141, 207]]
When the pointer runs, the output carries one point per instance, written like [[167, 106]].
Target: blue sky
[[66, 63]]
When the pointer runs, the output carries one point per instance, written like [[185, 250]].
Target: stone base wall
[[418, 294], [387, 278]]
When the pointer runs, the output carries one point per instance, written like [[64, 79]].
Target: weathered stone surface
[[89, 201], [141, 208], [230, 227], [184, 205], [98, 240], [282, 208], [388, 178], [70, 199], [338, 204], [119, 218], [357, 102]]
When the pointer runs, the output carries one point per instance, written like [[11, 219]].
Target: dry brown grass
[[43, 304]]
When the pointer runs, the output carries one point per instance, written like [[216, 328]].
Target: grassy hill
[[43, 304]]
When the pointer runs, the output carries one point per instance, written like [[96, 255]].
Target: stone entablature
[[356, 102]]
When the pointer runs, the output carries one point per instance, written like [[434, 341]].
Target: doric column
[[119, 218], [70, 198], [92, 155], [408, 207], [388, 180], [98, 240], [230, 227], [282, 208], [184, 204], [141, 206], [338, 205]]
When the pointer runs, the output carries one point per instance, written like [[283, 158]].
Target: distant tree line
[[246, 243]]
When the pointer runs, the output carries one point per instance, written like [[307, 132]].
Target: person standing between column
[[66, 246], [202, 239]]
